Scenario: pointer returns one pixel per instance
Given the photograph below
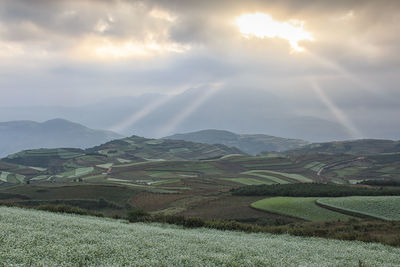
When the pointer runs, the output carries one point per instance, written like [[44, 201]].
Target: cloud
[[77, 52]]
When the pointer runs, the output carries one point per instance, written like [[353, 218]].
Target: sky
[[334, 60]]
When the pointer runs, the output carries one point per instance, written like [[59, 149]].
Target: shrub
[[67, 209], [312, 190], [136, 215]]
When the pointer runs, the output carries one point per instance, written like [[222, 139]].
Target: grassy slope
[[300, 207], [386, 207], [354, 147], [41, 238]]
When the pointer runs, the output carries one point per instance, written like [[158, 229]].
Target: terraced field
[[381, 207], [193, 171], [248, 181], [269, 178], [71, 240], [279, 177], [314, 166], [300, 207]]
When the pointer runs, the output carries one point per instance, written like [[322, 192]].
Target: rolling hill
[[356, 147], [75, 162], [21, 135], [140, 148], [248, 143]]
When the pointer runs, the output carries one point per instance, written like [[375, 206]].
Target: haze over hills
[[354, 147], [20, 135], [248, 143], [159, 115]]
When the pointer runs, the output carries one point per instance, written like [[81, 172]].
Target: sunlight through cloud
[[106, 48], [191, 108], [263, 26], [339, 115]]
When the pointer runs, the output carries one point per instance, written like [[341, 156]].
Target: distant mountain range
[[20, 135], [157, 115], [356, 147], [251, 144]]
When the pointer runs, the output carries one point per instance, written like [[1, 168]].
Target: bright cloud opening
[[262, 25], [104, 48]]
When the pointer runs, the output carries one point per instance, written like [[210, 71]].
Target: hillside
[[71, 240], [248, 143], [135, 147], [73, 162], [356, 147], [21, 135]]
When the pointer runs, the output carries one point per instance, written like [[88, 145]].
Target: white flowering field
[[37, 238]]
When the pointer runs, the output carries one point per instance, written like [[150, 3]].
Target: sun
[[263, 25]]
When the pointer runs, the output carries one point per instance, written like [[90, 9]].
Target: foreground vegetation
[[47, 239]]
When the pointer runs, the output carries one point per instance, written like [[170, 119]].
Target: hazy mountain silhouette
[[20, 135]]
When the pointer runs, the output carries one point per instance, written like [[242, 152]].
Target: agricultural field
[[300, 207], [264, 175], [293, 177], [381, 207], [314, 166], [40, 238], [249, 181], [182, 178]]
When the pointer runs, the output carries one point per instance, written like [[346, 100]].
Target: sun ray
[[137, 116], [172, 124], [339, 115], [346, 74]]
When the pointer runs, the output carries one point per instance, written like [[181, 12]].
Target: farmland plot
[[300, 207], [270, 178], [3, 176], [381, 207]]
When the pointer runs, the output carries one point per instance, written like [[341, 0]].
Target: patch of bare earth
[[153, 202]]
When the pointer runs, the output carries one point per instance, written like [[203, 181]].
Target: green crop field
[[300, 207], [271, 178], [38, 169], [277, 176], [315, 166], [83, 171], [3, 176], [170, 181], [37, 238], [294, 176], [248, 181], [382, 207], [105, 165], [123, 160], [349, 171]]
